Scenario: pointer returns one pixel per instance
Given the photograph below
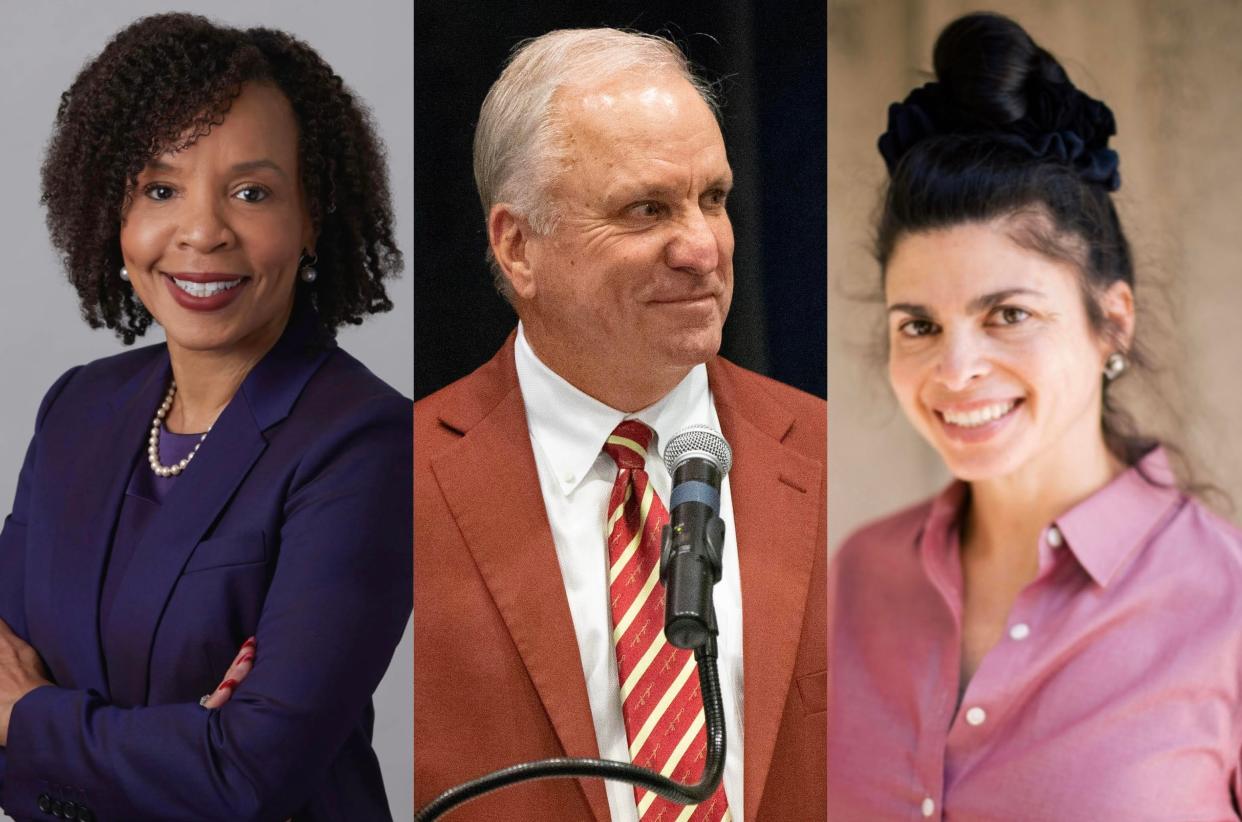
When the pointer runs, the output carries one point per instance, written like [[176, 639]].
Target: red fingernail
[[228, 684], [246, 658], [250, 643]]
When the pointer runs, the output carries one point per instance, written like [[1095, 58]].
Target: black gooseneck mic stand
[[690, 564]]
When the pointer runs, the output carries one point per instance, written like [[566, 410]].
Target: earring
[[308, 272], [1114, 366], [124, 273]]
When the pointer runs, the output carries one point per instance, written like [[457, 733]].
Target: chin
[[201, 337], [692, 348], [979, 464]]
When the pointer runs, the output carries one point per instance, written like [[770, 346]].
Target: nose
[[694, 247], [203, 226], [963, 359]]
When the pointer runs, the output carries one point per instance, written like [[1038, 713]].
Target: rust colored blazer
[[497, 675]]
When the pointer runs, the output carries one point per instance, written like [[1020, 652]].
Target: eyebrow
[[160, 166], [912, 309], [980, 303], [646, 190], [986, 301], [650, 188]]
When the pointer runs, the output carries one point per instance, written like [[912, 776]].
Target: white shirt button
[[929, 806], [569, 477], [1020, 631], [1054, 536], [976, 715]]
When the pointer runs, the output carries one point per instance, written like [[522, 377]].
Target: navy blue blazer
[[293, 524]]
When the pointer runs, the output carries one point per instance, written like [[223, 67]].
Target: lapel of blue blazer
[[79, 541], [236, 441]]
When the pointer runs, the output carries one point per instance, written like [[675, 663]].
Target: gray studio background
[[1170, 72], [42, 46]]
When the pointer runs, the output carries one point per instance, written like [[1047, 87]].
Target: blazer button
[[45, 803], [84, 814], [71, 811], [58, 809]]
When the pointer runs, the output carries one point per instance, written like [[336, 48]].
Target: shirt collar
[[1104, 530], [1101, 532], [946, 510], [936, 537], [571, 427]]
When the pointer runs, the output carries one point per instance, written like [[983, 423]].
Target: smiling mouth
[[977, 417], [207, 289]]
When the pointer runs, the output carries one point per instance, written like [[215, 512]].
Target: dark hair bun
[[993, 80], [992, 70]]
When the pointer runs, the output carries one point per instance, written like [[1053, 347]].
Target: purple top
[[1114, 693], [143, 497]]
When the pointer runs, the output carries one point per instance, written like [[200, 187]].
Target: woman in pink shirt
[[1057, 635]]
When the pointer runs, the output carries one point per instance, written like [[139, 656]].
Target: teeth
[[205, 289], [979, 416]]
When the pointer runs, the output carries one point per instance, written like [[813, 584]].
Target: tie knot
[[627, 444]]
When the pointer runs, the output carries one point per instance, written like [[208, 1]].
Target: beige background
[[1171, 72]]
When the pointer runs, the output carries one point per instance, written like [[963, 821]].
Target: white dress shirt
[[567, 432]]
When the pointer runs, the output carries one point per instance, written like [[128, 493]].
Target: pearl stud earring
[[308, 272], [1114, 366]]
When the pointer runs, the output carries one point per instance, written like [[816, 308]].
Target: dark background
[[769, 59]]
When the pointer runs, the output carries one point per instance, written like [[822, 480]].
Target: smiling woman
[[993, 357], [213, 232], [207, 564], [1063, 600]]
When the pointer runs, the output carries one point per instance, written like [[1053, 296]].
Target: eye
[[917, 328], [716, 198], [646, 210], [1012, 315], [159, 192], [252, 194]]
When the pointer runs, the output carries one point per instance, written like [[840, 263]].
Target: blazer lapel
[[226, 455], [236, 441], [80, 540], [508, 535], [775, 493]]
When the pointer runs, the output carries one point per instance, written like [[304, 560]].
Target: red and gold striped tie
[[660, 699]]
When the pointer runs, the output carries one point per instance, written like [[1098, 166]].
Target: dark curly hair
[[161, 84]]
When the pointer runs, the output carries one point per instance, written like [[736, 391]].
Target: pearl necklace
[[153, 442]]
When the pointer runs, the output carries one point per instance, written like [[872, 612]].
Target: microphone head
[[701, 441]]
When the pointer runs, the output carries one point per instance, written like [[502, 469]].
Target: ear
[[508, 234], [1117, 306]]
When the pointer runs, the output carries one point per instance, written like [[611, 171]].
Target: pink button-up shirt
[[1115, 692]]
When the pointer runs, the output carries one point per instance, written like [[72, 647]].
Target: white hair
[[517, 143]]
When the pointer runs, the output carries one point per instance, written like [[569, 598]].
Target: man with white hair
[[539, 491]]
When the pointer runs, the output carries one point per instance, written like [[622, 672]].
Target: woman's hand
[[21, 671], [241, 666]]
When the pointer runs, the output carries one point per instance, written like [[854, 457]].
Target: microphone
[[693, 541]]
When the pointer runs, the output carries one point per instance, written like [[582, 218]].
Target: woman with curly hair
[[1058, 634], [245, 485]]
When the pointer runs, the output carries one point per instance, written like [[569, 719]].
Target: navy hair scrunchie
[[1081, 126]]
